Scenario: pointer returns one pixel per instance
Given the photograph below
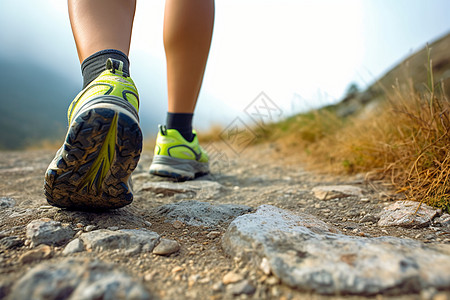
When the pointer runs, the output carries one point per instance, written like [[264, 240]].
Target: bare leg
[[101, 24], [103, 142], [188, 27]]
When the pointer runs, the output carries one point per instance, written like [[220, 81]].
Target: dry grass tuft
[[406, 139], [212, 135]]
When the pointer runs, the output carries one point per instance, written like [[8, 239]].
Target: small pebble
[[429, 236], [368, 218], [217, 287], [272, 280], [176, 269], [113, 228], [232, 277], [193, 279], [74, 246], [45, 207], [243, 287], [265, 266], [213, 234], [6, 202], [89, 228], [177, 224], [166, 247], [205, 280], [149, 276]]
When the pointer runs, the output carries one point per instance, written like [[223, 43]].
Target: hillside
[[412, 69], [33, 105], [397, 130]]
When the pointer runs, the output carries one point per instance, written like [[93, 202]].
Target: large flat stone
[[196, 213], [328, 192], [305, 253], [199, 188], [137, 240], [407, 214]]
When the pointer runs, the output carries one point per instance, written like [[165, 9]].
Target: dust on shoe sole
[[92, 169]]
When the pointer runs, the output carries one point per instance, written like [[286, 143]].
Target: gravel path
[[169, 243]]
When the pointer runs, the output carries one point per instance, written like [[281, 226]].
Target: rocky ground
[[256, 228]]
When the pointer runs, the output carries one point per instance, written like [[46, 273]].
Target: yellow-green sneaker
[[177, 158], [102, 147]]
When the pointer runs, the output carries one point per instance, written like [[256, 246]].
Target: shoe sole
[[178, 168], [92, 169]]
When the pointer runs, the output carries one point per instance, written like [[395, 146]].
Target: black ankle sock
[[181, 122], [94, 65]]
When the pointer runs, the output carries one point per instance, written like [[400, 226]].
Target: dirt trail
[[197, 270]]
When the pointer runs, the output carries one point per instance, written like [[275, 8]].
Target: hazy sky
[[300, 53]]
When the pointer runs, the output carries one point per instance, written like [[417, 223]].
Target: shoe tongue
[[114, 65]]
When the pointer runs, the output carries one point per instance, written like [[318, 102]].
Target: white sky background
[[301, 53]]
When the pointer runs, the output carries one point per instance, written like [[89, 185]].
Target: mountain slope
[[412, 70], [33, 105]]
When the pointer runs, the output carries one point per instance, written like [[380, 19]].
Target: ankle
[[94, 65], [182, 122]]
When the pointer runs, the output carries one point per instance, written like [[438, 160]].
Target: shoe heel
[[93, 168]]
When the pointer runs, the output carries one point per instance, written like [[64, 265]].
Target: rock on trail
[[199, 188], [407, 214], [126, 241], [166, 247], [73, 247], [77, 279], [196, 213], [136, 240], [6, 202], [328, 192], [307, 254], [49, 232]]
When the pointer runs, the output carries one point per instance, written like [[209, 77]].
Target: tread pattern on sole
[[93, 168]]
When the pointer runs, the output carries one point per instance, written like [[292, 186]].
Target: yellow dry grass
[[406, 140], [211, 135]]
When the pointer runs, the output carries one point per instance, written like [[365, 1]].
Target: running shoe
[[102, 147], [177, 158]]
